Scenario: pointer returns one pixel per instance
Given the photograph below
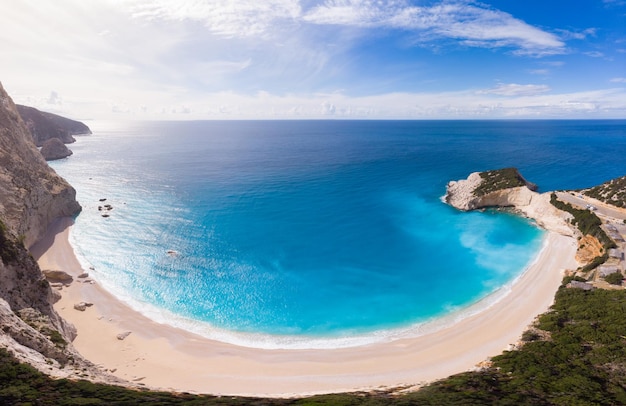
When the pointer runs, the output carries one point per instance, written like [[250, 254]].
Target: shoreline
[[164, 357]]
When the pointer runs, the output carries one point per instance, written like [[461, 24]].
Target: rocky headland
[[508, 188], [51, 132], [44, 126], [593, 216]]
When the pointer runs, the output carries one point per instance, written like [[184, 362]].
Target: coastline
[[164, 357]]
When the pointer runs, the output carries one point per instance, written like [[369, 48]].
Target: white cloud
[[618, 80], [515, 90], [242, 18], [467, 104], [222, 67], [328, 109], [615, 3], [580, 35], [362, 13], [471, 23], [269, 59], [554, 64], [594, 54]]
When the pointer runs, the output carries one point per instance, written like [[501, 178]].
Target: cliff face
[[31, 193], [463, 195], [28, 320], [44, 126], [31, 329]]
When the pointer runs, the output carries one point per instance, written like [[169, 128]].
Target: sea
[[315, 234]]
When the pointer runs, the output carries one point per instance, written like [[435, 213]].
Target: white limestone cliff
[[462, 195]]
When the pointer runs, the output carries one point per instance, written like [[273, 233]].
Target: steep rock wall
[[31, 193]]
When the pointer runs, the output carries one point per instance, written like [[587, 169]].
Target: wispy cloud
[[580, 35], [288, 58], [229, 18], [515, 90], [616, 3], [595, 54], [469, 23]]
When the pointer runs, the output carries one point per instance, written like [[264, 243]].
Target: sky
[[316, 59]]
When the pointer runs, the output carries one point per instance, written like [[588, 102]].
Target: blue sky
[[223, 59]]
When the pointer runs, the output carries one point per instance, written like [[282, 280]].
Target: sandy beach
[[165, 357]]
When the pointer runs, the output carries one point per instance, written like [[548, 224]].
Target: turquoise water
[[314, 233]]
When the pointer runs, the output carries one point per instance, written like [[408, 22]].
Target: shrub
[[500, 179], [614, 278]]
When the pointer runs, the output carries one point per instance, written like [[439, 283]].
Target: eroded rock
[[55, 276], [82, 306]]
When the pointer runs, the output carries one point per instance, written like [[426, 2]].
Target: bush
[[614, 278], [500, 179], [588, 223]]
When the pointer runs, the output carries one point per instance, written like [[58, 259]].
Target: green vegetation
[[615, 278], [55, 337], [611, 192], [582, 362], [575, 355], [8, 249], [500, 179], [589, 224]]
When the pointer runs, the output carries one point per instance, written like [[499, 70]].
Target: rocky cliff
[[507, 189], [44, 126], [31, 193]]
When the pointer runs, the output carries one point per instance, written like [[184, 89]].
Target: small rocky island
[[53, 149]]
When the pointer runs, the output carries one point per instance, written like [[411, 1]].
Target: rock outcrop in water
[[507, 188], [54, 149]]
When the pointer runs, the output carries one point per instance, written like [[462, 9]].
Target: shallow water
[[303, 231]]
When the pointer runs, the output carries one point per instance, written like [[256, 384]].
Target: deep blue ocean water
[[314, 233]]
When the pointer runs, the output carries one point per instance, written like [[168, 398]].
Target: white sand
[[165, 357]]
